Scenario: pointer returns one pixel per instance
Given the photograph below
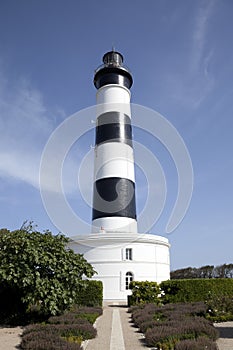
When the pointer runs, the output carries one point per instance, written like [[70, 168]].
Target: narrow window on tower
[[128, 254], [128, 279]]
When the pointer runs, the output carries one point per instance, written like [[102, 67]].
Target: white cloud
[[25, 125], [199, 35], [20, 166], [201, 55], [193, 81]]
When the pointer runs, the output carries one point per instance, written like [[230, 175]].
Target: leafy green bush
[[219, 308], [144, 292], [40, 270]]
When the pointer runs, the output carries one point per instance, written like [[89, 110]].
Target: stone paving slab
[[225, 341], [115, 331], [134, 340], [104, 327]]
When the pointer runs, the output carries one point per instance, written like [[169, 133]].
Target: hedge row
[[178, 326], [65, 332], [91, 294], [175, 291], [192, 290]]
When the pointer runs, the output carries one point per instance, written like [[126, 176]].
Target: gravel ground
[[10, 337]]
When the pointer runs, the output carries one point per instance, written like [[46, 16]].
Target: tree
[[224, 271], [40, 269], [207, 271], [188, 272]]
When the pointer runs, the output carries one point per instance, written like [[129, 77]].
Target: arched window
[[128, 279]]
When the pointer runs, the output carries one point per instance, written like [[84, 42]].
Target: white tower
[[116, 250], [114, 207]]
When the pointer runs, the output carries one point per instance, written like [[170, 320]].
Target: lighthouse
[[114, 207], [114, 247]]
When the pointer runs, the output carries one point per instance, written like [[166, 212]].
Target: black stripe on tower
[[113, 127], [112, 76], [113, 71], [114, 196]]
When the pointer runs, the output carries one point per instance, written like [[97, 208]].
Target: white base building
[[119, 258]]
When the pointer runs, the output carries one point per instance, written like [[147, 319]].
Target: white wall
[[150, 259]]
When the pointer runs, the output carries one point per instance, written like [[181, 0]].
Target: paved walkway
[[116, 331], [225, 341]]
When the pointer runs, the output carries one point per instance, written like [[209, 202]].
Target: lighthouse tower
[[118, 253], [114, 207]]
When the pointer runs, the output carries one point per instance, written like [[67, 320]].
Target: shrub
[[188, 329], [62, 332], [40, 270], [144, 293], [88, 313], [11, 305], [219, 308], [146, 325], [77, 315], [85, 330], [164, 326], [199, 343], [45, 340], [35, 328], [66, 319], [91, 294], [168, 312], [193, 290], [216, 293]]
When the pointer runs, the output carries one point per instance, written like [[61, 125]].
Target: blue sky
[[180, 54]]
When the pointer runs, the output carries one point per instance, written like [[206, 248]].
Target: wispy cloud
[[25, 124], [202, 82], [199, 36], [194, 81]]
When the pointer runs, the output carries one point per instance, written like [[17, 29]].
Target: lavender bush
[[42, 340], [65, 332], [200, 343], [168, 325]]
